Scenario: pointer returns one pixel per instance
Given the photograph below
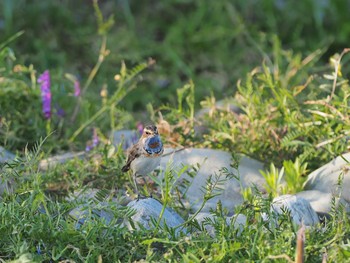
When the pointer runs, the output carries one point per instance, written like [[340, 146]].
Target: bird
[[144, 156]]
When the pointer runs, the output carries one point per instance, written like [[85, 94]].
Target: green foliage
[[190, 100], [294, 115], [35, 225], [127, 82], [22, 122], [273, 179], [291, 109], [214, 43], [293, 173]]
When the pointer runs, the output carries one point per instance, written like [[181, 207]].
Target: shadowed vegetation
[[283, 66]]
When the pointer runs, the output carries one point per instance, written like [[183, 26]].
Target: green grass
[[35, 223], [291, 70]]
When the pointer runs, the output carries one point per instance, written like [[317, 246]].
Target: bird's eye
[[148, 133]]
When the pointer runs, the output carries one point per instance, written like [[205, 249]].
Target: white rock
[[127, 137], [210, 163], [149, 208], [222, 105], [325, 179], [299, 208], [59, 159], [319, 201]]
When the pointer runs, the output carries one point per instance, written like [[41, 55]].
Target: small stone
[[6, 184], [238, 220], [59, 159], [91, 211], [5, 155], [94, 204], [227, 105], [149, 208], [300, 209], [162, 82]]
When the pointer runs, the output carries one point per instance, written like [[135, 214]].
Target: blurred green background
[[212, 42], [295, 103]]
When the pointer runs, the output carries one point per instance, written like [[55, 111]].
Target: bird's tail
[[125, 168]]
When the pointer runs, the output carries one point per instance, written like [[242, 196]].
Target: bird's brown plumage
[[134, 152]]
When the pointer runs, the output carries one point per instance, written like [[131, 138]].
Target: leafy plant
[[295, 175], [291, 112], [287, 112], [273, 179], [292, 173], [71, 113]]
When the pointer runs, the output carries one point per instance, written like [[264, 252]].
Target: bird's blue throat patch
[[153, 145]]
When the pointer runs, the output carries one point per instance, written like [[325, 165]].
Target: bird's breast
[[144, 165], [153, 145]]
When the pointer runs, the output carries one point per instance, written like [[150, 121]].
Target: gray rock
[[299, 208], [6, 184], [210, 162], [238, 221], [91, 207], [325, 180], [148, 209], [127, 137], [5, 155], [222, 105], [319, 201], [59, 159], [91, 211], [93, 204]]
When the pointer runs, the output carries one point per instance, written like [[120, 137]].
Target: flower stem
[[87, 123], [102, 55]]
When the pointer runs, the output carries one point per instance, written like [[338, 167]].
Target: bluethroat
[[144, 156]]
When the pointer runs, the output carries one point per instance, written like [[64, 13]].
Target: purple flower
[[44, 81], [76, 88], [95, 141], [88, 148], [59, 111]]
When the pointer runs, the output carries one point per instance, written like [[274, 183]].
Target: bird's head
[[149, 131]]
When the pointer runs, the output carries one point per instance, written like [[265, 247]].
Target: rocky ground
[[330, 181]]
